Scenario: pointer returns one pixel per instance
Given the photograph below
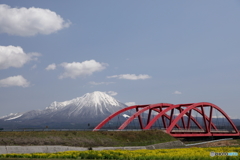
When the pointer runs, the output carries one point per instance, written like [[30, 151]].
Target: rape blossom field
[[165, 154]]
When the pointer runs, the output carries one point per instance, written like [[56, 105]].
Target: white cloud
[[130, 103], [29, 21], [130, 76], [112, 93], [11, 56], [14, 81], [100, 83], [86, 68], [51, 67], [177, 92]]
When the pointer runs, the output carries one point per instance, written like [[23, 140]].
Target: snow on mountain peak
[[58, 105], [97, 98]]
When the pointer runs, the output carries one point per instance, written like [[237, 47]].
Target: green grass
[[85, 138], [238, 142], [36, 159]]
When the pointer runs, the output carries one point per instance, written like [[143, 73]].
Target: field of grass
[[85, 138], [166, 154]]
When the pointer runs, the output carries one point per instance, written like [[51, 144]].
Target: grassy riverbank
[[85, 138]]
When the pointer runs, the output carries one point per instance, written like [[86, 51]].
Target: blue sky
[[137, 51]]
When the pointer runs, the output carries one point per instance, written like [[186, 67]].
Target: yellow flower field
[[166, 154]]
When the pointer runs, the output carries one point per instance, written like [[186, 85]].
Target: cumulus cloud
[[29, 21], [86, 68], [111, 93], [130, 103], [177, 92], [130, 76], [11, 56], [19, 81], [100, 83], [51, 67]]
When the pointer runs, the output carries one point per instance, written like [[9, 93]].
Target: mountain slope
[[91, 107]]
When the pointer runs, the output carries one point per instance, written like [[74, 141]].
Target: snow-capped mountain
[[11, 116], [90, 107], [91, 104]]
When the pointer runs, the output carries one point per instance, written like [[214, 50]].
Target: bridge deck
[[202, 131]]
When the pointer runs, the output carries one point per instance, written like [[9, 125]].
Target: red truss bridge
[[180, 120]]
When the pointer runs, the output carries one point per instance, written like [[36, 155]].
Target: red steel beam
[[100, 125], [188, 123], [149, 116], [183, 123], [160, 114], [154, 106], [204, 119], [169, 118], [165, 115], [142, 110], [210, 119], [192, 118], [163, 120], [139, 119], [197, 105], [173, 122], [200, 112]]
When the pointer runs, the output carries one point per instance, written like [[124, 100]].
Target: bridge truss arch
[[183, 124]]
